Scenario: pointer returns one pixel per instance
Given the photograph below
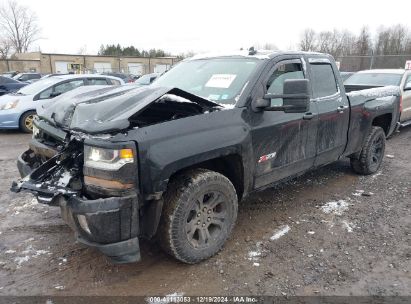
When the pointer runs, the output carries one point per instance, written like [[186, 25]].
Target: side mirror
[[260, 104], [407, 86], [296, 96]]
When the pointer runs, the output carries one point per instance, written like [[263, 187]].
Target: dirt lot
[[329, 232]]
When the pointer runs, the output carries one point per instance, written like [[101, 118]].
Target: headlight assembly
[[107, 159], [9, 105]]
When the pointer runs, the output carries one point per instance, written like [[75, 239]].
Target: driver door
[[284, 143]]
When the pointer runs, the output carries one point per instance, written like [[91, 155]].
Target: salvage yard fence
[[354, 63]]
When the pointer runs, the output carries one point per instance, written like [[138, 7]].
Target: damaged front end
[[97, 196], [82, 159]]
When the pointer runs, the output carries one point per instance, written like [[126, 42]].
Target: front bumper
[[9, 119], [110, 224]]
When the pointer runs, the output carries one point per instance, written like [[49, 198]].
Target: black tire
[[26, 121], [195, 202], [372, 153]]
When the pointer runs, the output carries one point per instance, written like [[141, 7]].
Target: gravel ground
[[329, 232]]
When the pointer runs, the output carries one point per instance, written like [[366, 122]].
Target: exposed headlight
[[107, 159], [9, 105]]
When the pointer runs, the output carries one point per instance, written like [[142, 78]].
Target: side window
[[283, 71], [408, 80], [97, 81], [323, 80], [46, 93], [115, 82], [67, 86]]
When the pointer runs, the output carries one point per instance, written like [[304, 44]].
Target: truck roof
[[259, 54]]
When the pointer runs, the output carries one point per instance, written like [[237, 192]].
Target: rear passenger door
[[333, 110]]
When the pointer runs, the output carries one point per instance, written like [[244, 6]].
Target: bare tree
[[19, 25], [308, 40], [5, 47]]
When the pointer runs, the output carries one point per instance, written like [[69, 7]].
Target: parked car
[[8, 85], [127, 78], [27, 77], [173, 159], [18, 109], [146, 79], [55, 74], [385, 77], [10, 74], [346, 75]]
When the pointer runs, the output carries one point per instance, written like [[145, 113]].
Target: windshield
[[38, 86], [220, 80], [374, 79]]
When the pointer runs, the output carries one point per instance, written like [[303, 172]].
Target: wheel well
[[383, 121], [230, 166], [22, 114]]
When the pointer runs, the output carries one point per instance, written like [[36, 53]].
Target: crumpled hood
[[103, 109]]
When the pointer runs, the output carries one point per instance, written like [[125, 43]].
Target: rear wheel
[[200, 210], [372, 153], [26, 121]]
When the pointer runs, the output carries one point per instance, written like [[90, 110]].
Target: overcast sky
[[201, 25]]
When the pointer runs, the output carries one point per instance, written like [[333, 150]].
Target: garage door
[[161, 68], [102, 67], [62, 66], [135, 68]]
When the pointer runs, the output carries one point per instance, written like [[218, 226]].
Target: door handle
[[341, 109], [308, 116]]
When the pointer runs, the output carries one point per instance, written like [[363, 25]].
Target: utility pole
[[372, 59]]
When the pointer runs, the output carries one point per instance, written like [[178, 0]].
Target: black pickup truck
[[170, 161]]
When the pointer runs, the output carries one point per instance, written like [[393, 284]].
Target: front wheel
[[200, 210], [26, 121], [372, 153]]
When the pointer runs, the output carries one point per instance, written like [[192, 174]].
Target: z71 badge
[[266, 157]]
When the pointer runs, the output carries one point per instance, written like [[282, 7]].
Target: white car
[[17, 109]]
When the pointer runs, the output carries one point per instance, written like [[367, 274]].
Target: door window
[[284, 71], [67, 86], [323, 80], [97, 81]]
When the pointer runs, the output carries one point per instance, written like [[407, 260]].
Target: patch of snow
[[336, 208], [389, 156], [21, 260], [256, 264], [244, 53], [10, 251], [376, 92], [311, 232], [348, 226], [283, 230], [227, 106], [254, 255], [59, 287], [175, 98]]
